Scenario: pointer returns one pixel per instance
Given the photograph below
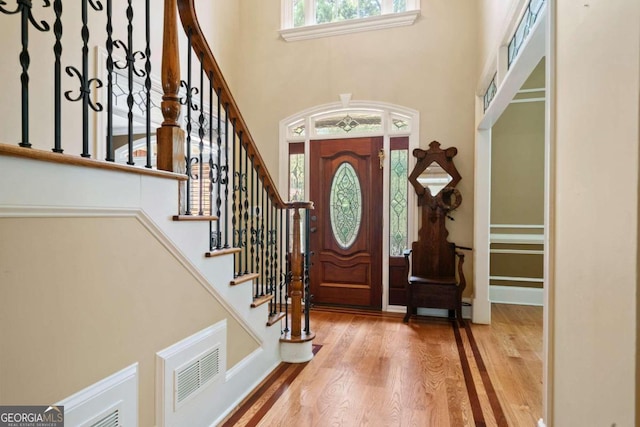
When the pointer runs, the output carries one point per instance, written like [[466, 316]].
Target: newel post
[[295, 292], [296, 346], [170, 136]]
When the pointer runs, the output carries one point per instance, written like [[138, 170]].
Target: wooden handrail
[[201, 47]]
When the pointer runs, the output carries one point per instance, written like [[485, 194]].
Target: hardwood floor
[[374, 370]]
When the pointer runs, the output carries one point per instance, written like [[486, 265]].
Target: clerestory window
[[303, 19]]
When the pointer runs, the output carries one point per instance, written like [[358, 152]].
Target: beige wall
[[492, 18], [429, 66], [220, 21], [105, 294], [595, 207], [517, 165]]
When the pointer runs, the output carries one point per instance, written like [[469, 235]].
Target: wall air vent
[[189, 374], [111, 420], [196, 374]]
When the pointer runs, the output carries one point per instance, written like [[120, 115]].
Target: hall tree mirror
[[434, 178]]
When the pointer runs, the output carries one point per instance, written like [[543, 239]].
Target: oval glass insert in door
[[345, 205]]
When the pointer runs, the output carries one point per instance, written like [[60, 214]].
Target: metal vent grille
[[197, 374], [111, 420]]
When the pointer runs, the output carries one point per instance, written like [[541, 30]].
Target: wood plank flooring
[[374, 370]]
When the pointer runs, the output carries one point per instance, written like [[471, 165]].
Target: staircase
[[208, 200]]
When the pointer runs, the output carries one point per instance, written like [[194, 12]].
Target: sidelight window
[[398, 196]]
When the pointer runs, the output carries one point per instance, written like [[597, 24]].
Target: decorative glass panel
[[296, 130], [490, 93], [527, 21], [400, 124], [352, 122], [296, 177], [296, 191], [345, 204], [398, 205]]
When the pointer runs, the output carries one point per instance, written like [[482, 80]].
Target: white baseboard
[[516, 295], [243, 372]]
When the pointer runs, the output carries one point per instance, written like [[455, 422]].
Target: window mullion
[[309, 12], [287, 13], [386, 6]]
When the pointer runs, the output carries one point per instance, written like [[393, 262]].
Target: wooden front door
[[346, 224]]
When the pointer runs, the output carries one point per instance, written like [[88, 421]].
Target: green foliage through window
[[399, 6], [298, 13], [341, 10]]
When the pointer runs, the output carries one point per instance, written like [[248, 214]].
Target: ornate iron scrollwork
[[84, 91], [24, 7]]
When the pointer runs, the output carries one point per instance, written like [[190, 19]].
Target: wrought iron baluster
[[271, 270], [305, 274], [130, 60], [247, 231], [109, 45], [57, 67], [254, 232], [85, 83], [201, 133], [260, 232], [234, 195], [218, 169], [277, 272], [226, 175], [147, 81], [24, 8], [287, 269], [212, 164], [188, 101], [212, 243]]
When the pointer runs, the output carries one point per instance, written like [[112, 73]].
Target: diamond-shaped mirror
[[434, 178]]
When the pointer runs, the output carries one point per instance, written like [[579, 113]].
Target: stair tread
[[195, 218], [219, 252], [275, 318], [257, 302], [247, 277]]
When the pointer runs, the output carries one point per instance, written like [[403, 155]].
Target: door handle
[[313, 229]]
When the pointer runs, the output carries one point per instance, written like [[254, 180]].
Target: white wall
[[594, 247]]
